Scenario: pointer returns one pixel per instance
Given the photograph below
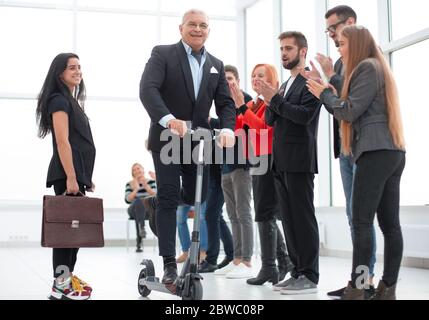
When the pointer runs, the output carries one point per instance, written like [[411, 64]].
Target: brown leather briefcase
[[72, 222]]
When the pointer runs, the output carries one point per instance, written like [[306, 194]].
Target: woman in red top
[[251, 118]]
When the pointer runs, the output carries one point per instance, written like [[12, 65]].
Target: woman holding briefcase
[[60, 112]]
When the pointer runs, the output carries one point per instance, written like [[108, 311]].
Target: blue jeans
[[217, 229], [347, 169], [183, 230]]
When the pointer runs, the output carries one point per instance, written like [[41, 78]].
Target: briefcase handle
[[79, 193]]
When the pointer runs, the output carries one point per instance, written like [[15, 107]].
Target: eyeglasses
[[333, 27], [202, 26]]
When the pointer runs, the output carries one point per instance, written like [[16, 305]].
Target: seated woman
[[135, 190]]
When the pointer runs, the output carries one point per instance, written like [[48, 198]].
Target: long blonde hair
[[363, 46]]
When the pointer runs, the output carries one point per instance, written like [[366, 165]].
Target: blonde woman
[[371, 131]]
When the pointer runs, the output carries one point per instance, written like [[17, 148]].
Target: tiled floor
[[25, 273]]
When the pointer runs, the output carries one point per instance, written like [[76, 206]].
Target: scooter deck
[[152, 283]]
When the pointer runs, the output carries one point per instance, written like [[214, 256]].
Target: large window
[[170, 30], [415, 179], [44, 2], [24, 157], [114, 40], [408, 17], [30, 40], [219, 45], [260, 38], [114, 54], [213, 8], [293, 21], [123, 4]]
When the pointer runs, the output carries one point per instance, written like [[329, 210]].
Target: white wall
[[21, 225], [414, 223]]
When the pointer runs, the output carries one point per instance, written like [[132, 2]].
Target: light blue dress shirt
[[197, 76]]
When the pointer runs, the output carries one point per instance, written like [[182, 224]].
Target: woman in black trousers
[[60, 112], [371, 131], [251, 115]]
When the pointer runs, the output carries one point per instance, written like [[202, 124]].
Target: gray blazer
[[365, 108]]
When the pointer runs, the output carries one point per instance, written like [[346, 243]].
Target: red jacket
[[261, 137]]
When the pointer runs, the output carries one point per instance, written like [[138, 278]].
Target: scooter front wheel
[[195, 290], [147, 271]]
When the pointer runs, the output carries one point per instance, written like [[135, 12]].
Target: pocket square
[[213, 70]]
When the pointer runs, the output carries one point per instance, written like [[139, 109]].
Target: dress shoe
[[351, 293], [170, 275], [224, 263], [336, 294], [206, 267], [368, 293], [383, 292]]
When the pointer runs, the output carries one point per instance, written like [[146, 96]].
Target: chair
[[128, 233], [151, 240]]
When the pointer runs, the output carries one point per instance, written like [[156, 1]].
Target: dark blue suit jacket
[[166, 87], [295, 119]]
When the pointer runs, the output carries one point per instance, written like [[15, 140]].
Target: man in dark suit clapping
[[294, 114], [179, 84]]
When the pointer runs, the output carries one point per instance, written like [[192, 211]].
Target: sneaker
[[182, 258], [84, 285], [281, 285], [68, 290], [240, 272], [223, 271], [301, 285]]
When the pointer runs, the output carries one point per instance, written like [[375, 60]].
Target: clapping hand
[[265, 89], [236, 95], [312, 74]]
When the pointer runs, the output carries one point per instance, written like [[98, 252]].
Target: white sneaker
[[221, 272], [239, 272]]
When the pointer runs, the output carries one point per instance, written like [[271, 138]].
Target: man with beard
[[294, 113]]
